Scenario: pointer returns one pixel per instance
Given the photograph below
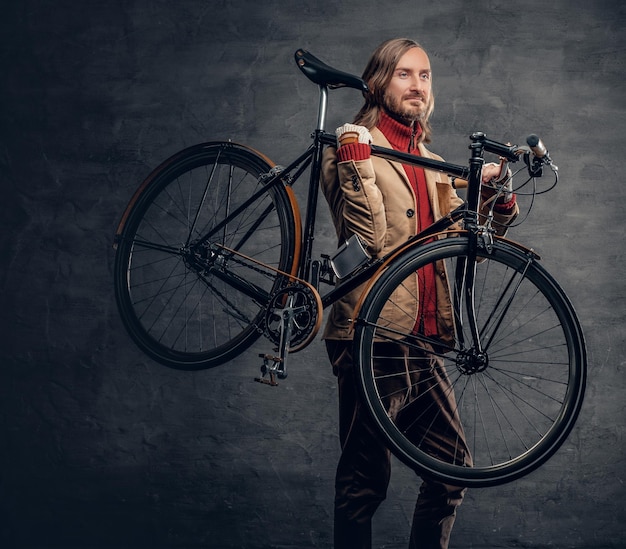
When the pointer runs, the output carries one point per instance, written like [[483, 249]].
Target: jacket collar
[[378, 138]]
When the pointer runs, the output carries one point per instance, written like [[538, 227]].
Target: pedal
[[271, 369], [271, 381]]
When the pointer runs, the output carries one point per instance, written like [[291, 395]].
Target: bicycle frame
[[312, 157]]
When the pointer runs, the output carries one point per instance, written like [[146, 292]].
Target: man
[[386, 203]]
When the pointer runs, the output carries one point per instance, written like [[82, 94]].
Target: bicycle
[[212, 253]]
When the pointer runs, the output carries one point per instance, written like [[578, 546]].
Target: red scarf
[[405, 138]]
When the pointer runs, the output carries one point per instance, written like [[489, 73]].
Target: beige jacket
[[374, 199]]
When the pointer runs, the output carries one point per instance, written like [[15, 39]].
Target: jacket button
[[410, 213]]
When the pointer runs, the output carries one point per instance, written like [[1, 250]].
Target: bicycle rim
[[450, 413], [191, 296]]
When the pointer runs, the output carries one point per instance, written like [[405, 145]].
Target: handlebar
[[506, 151], [511, 153]]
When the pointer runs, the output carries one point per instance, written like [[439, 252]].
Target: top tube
[[407, 158]]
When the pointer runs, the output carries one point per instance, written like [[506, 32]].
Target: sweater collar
[[401, 136]]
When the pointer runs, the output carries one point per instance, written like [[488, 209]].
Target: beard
[[402, 113]]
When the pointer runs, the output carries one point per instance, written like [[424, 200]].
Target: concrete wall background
[[101, 447]]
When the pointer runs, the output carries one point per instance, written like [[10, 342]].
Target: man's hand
[[351, 133], [497, 178]]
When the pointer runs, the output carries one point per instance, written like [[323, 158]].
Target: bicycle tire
[[175, 288], [516, 406]]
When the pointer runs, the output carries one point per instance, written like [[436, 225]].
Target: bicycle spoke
[[202, 201]]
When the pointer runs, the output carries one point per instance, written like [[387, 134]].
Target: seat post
[[323, 105]]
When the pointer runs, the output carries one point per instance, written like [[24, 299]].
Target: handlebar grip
[[459, 183], [537, 146]]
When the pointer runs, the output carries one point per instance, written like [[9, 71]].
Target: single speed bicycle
[[212, 253]]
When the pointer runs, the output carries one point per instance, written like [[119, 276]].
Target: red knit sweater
[[405, 138]]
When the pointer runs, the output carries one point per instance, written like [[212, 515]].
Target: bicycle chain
[[239, 314]]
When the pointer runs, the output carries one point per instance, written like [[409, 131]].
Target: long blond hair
[[377, 75]]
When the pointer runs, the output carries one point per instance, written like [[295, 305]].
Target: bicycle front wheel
[[468, 415], [199, 254]]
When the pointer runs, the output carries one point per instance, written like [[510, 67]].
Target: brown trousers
[[364, 467]]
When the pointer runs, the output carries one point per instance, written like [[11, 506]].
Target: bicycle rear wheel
[[450, 412], [193, 251]]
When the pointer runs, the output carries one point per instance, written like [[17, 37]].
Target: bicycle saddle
[[319, 72]]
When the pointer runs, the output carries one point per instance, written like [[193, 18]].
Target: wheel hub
[[472, 362], [202, 257]]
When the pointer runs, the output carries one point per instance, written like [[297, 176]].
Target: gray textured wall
[[100, 446]]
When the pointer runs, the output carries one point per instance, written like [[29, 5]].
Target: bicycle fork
[[472, 356]]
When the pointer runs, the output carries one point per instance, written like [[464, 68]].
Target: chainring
[[306, 305]]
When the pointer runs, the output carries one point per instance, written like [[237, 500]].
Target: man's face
[[408, 93]]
